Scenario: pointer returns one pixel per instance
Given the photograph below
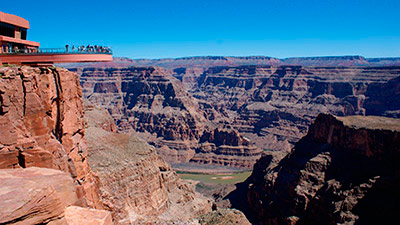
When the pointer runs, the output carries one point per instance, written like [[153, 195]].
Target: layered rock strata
[[156, 106], [344, 171], [42, 125], [273, 106], [145, 101], [137, 185], [226, 147]]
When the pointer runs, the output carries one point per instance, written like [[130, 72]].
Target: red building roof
[[14, 20]]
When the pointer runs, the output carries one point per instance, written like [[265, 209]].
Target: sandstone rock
[[35, 195], [75, 215], [101, 118], [154, 105], [136, 184], [344, 171], [226, 147], [270, 105], [42, 125], [274, 105]]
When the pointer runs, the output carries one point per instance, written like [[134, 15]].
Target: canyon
[[273, 106], [156, 107], [96, 145], [46, 147], [237, 108], [270, 107]]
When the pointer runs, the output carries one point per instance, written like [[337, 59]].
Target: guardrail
[[93, 50]]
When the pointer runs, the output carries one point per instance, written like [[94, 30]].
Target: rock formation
[[226, 147], [136, 184], [42, 125], [224, 217], [352, 60], [44, 196], [156, 106], [344, 171]]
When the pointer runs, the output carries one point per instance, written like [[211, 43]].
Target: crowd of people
[[88, 48], [8, 48]]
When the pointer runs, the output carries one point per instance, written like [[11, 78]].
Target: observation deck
[[15, 49], [45, 56]]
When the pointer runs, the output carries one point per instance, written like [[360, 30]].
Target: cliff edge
[[44, 170]]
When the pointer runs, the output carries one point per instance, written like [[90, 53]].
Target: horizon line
[[265, 56]]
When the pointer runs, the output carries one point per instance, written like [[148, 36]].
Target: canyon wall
[[273, 106], [136, 184], [44, 172], [42, 125], [344, 171], [156, 106]]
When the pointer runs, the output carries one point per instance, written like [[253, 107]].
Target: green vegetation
[[230, 178]]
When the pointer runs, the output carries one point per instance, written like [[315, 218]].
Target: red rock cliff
[[42, 125]]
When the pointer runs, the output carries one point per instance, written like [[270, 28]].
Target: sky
[[179, 28]]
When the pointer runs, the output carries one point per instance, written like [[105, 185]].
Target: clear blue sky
[[176, 28]]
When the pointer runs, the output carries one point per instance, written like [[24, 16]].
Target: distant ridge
[[350, 60], [212, 61]]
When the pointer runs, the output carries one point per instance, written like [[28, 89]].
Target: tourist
[[66, 47]]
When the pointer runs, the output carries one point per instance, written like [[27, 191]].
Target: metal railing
[[98, 50]]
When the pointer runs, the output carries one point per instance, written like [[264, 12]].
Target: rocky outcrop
[[383, 98], [226, 147], [136, 184], [154, 105], [42, 125], [44, 196], [224, 217], [344, 171], [78, 215]]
